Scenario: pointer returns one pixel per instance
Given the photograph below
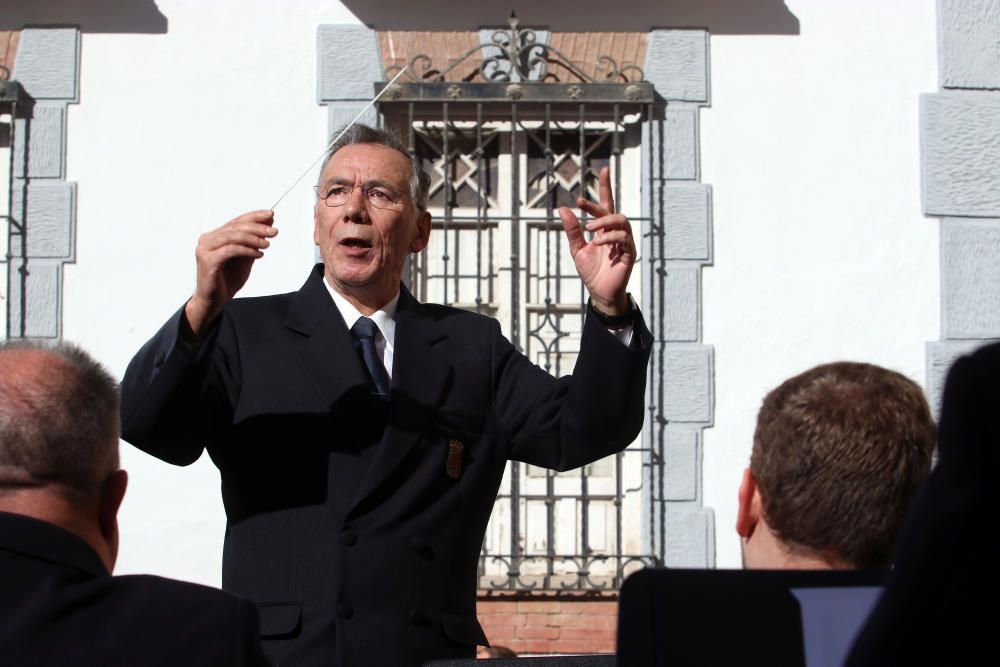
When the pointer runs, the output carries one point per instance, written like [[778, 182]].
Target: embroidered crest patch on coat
[[453, 467]]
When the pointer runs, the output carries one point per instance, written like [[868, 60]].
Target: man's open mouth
[[356, 243]]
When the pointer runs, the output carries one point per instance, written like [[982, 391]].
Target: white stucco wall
[[821, 251], [810, 145], [175, 134]]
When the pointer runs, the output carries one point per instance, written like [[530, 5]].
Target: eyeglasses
[[379, 196]]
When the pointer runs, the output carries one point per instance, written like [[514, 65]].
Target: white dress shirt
[[384, 318]]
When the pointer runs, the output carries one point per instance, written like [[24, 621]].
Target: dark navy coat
[[355, 523], [59, 607]]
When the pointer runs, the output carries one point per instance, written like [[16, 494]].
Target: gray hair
[[58, 418], [420, 180]]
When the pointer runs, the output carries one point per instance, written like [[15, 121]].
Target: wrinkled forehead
[[364, 163]]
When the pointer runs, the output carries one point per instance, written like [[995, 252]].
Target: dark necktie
[[364, 331]]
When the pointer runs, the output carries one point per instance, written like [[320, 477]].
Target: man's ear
[[423, 232], [748, 513], [112, 494], [316, 223]]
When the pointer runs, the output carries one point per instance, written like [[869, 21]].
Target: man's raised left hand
[[605, 263]]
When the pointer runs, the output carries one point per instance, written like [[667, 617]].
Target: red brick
[[498, 627], [497, 606], [587, 633], [585, 646], [584, 621], [544, 607], [596, 607], [502, 639], [540, 646], [502, 619], [492, 634], [499, 631], [521, 646], [537, 632]]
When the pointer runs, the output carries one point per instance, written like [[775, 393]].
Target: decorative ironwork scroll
[[516, 54]]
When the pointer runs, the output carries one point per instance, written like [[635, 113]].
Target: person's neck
[[765, 551], [366, 299], [49, 505]]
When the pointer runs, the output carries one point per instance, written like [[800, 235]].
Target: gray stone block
[[677, 64], [690, 537], [350, 62], [689, 371], [677, 134], [680, 135], [683, 304], [339, 114], [50, 219], [48, 62], [940, 357], [681, 463], [970, 278], [685, 213], [960, 140], [38, 287], [968, 43], [45, 131]]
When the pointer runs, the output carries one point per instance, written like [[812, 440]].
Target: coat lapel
[[332, 371], [419, 378]]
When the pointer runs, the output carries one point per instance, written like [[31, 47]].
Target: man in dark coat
[[361, 435], [60, 489]]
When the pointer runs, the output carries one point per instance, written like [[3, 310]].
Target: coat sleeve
[[574, 420], [173, 394]]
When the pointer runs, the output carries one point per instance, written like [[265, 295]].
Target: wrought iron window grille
[[505, 147]]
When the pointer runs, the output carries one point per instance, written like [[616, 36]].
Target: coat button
[[348, 537], [416, 618], [345, 610], [419, 544]]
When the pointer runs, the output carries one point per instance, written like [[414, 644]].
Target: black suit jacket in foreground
[[357, 524], [940, 605], [60, 607]]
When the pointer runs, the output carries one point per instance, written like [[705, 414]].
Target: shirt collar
[[384, 317]]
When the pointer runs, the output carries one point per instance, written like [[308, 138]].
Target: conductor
[[361, 435]]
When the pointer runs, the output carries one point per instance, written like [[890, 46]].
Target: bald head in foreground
[[839, 453], [60, 490]]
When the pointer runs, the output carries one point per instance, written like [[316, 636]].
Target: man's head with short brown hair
[[59, 441], [838, 454]]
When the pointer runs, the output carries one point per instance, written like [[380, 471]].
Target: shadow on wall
[[719, 17], [128, 16]]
